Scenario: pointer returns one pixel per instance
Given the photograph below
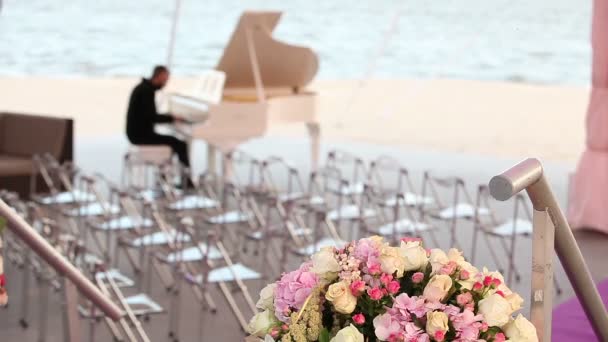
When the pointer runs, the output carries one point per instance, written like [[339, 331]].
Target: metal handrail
[[528, 175], [41, 247]]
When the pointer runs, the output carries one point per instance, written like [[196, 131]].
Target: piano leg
[[314, 132]]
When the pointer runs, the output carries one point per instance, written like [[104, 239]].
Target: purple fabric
[[570, 322]]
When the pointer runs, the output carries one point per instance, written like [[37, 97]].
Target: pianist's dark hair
[[158, 70]]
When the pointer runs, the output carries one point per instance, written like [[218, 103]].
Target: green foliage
[[324, 335]]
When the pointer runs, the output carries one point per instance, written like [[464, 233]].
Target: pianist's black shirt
[[142, 115]]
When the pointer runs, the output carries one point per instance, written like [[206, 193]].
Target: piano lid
[[280, 64]]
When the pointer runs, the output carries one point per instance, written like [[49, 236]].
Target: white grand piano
[[265, 84]]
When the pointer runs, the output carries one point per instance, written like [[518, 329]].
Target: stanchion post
[[541, 307]]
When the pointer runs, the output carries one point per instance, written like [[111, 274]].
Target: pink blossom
[[439, 335], [464, 274], [411, 239], [496, 282], [386, 278], [385, 326], [500, 293], [366, 249], [484, 327], [393, 287], [374, 268], [477, 286], [274, 332], [398, 337], [375, 293], [407, 306], [500, 337], [357, 287], [417, 277], [359, 319], [292, 290], [449, 268], [451, 310], [467, 325], [414, 333], [464, 298], [487, 281]]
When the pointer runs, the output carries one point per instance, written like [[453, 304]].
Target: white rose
[[455, 256], [324, 263], [348, 334], [392, 261], [261, 323], [515, 301], [437, 288], [415, 256], [496, 310], [436, 321], [342, 299], [266, 300], [438, 259], [520, 330]]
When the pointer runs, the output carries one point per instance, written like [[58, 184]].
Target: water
[[540, 41]]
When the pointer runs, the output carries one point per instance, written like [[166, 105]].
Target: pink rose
[[374, 268], [487, 281], [449, 268], [359, 319], [393, 287], [477, 286], [357, 287], [464, 275], [375, 293], [464, 298], [496, 282], [500, 337], [439, 336], [417, 277], [386, 278]]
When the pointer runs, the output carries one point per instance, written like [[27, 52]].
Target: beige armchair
[[21, 137]]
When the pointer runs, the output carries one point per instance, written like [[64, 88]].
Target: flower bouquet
[[371, 291]]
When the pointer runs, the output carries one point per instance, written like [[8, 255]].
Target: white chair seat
[[94, 209], [194, 202], [404, 226], [155, 154], [522, 227], [194, 254], [351, 189], [123, 223], [68, 197], [159, 238], [461, 210], [409, 199], [315, 247], [227, 274], [120, 279], [234, 216], [141, 304], [350, 212]]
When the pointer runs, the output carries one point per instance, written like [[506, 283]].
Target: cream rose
[[324, 263], [437, 288], [520, 330], [436, 321], [414, 255], [340, 296], [392, 261], [438, 259], [496, 310], [261, 323], [348, 334], [266, 300]]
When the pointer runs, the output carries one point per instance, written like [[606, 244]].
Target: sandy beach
[[489, 118]]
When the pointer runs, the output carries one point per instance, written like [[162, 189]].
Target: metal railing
[[551, 232]]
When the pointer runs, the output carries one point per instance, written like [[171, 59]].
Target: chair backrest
[[210, 86]]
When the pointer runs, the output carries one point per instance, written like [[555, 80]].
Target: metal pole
[[173, 35], [529, 175], [41, 247]]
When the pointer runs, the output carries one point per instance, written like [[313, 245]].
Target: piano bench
[[142, 164], [149, 154]]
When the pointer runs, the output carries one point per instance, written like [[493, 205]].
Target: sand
[[489, 118]]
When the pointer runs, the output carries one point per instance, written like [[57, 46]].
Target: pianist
[[142, 116]]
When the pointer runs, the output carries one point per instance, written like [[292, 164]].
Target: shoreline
[[463, 116]]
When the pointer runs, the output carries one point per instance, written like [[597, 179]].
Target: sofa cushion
[[26, 135], [15, 165]]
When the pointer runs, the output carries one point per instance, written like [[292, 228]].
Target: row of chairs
[[245, 226]]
